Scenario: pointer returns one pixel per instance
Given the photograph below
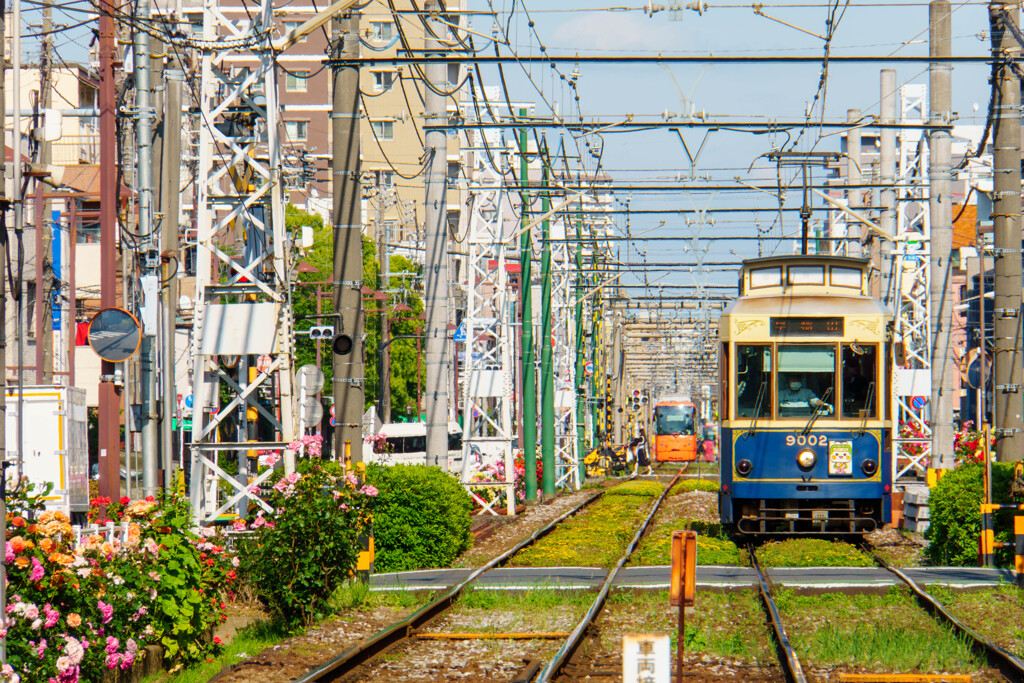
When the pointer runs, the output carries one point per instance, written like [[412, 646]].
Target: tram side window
[[860, 391], [807, 378], [753, 380]]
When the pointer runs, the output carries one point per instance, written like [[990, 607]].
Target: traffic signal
[[342, 344]]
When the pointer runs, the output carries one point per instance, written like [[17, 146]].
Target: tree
[[405, 361]]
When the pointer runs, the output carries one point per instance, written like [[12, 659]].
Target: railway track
[[348, 662], [1008, 665]]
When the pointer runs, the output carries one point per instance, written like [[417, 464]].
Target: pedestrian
[[642, 459]]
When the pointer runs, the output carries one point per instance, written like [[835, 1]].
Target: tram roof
[[849, 261], [812, 306]]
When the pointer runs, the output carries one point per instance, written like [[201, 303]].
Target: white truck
[[56, 435]]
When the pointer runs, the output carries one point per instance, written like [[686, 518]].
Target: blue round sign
[[918, 402], [188, 401]]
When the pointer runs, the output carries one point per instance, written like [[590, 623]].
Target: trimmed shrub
[[955, 511], [422, 517]]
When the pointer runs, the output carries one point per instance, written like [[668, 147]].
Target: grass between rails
[[997, 614], [724, 625], [597, 536], [811, 552], [880, 632], [529, 611]]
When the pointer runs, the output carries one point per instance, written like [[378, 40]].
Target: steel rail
[[1008, 664], [790, 662], [562, 655], [370, 647]]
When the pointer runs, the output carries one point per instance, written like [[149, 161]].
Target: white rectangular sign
[[646, 658]]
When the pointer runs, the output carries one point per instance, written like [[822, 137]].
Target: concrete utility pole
[[44, 223], [436, 258], [385, 320], [174, 79], [1006, 208], [886, 165], [19, 220], [529, 371], [349, 373], [941, 213], [3, 348], [149, 277], [109, 400], [578, 376], [853, 196]]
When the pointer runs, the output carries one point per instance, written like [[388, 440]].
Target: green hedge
[[955, 512], [421, 519]]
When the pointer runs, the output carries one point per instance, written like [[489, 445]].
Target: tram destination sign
[[806, 327]]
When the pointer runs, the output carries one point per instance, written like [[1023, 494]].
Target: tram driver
[[797, 400]]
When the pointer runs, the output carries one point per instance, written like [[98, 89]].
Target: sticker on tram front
[[840, 458]]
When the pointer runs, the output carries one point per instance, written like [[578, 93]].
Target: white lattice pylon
[[487, 379], [239, 192], [563, 311], [909, 291]]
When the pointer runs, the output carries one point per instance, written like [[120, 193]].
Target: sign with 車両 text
[[646, 658]]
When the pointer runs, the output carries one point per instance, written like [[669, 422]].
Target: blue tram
[[805, 426]]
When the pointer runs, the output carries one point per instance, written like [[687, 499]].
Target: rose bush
[[302, 552], [76, 610]]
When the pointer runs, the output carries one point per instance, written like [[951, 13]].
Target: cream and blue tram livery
[[805, 430]]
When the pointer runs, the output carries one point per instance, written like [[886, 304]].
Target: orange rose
[[32, 528], [46, 545], [18, 522], [74, 620], [22, 562], [17, 544]]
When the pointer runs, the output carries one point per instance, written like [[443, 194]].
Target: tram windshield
[[859, 372], [807, 375], [676, 419], [753, 380]]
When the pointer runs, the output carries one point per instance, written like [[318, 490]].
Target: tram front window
[[753, 380], [807, 375], [674, 420], [859, 389]]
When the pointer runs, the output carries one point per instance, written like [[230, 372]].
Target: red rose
[[125, 500]]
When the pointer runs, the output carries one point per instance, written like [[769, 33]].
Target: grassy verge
[[598, 535], [246, 643], [996, 614], [879, 632], [348, 603], [811, 552]]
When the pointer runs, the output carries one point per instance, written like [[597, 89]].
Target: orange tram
[[673, 423]]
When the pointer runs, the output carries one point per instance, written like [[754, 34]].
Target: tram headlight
[[806, 458], [744, 467], [869, 467]]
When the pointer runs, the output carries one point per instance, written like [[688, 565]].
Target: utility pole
[[385, 321], [149, 257], [109, 400], [547, 370], [19, 219], [347, 346], [1006, 208], [44, 236], [3, 343], [887, 164], [174, 79], [941, 213], [853, 195], [436, 258], [529, 397]]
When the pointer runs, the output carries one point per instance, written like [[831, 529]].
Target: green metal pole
[[529, 396], [547, 361], [580, 399]]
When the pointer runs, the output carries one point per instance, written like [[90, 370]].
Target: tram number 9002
[[811, 440]]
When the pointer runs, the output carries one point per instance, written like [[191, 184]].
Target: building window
[[295, 81], [382, 80], [384, 178], [296, 130], [453, 74], [382, 30], [384, 130], [292, 26]]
